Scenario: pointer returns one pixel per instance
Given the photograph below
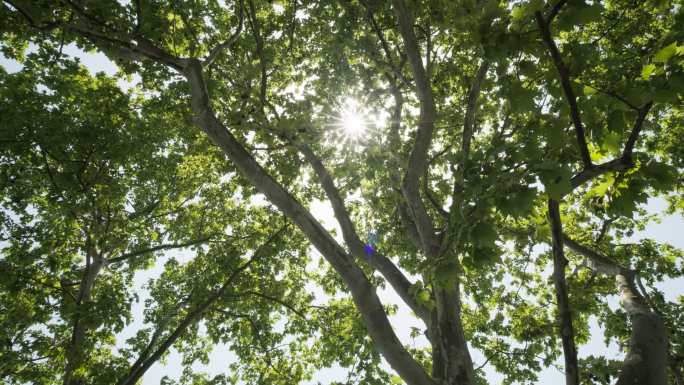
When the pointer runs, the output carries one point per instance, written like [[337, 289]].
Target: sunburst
[[352, 120]]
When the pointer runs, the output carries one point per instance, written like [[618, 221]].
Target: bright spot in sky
[[352, 119]]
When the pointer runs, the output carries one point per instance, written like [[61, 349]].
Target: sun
[[352, 120], [353, 123]]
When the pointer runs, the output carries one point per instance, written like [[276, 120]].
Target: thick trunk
[[452, 364], [646, 360]]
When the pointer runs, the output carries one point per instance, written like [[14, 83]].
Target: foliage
[[91, 172]]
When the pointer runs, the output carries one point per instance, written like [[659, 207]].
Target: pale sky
[[669, 230]]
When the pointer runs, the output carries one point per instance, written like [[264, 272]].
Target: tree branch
[[564, 74], [384, 44], [597, 262], [554, 11], [94, 263], [590, 173], [646, 360], [419, 153], [468, 128], [216, 51], [256, 31], [623, 163], [136, 373], [166, 246], [471, 108], [278, 301], [564, 314], [634, 135], [138, 16], [363, 292], [378, 261], [394, 172]]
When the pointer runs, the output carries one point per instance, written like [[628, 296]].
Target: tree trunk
[[451, 361], [567, 331], [74, 354], [646, 360]]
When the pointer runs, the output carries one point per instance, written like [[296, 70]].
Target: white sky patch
[[278, 8], [94, 61]]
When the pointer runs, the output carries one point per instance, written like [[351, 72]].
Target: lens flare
[[352, 120]]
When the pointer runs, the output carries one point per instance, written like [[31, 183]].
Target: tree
[[510, 126], [95, 184]]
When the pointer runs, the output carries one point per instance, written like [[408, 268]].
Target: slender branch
[[256, 31], [128, 45], [278, 301], [137, 372], [216, 51], [94, 263], [166, 246], [91, 18], [564, 74], [138, 16], [611, 94], [564, 313], [598, 262], [471, 108], [394, 172], [384, 44], [378, 261], [623, 163], [468, 128], [588, 174], [457, 202], [432, 199], [634, 135], [554, 11], [30, 19]]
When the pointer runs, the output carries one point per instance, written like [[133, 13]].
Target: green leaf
[[611, 142], [589, 14], [616, 122], [647, 71], [665, 95], [519, 203], [558, 187], [556, 179], [483, 234], [589, 90], [665, 53]]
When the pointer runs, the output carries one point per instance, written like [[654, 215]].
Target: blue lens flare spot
[[369, 249]]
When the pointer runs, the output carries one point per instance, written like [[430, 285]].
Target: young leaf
[[665, 53]]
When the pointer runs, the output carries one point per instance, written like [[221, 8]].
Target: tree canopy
[[487, 161]]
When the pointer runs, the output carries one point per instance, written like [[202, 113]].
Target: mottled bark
[[646, 361]]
